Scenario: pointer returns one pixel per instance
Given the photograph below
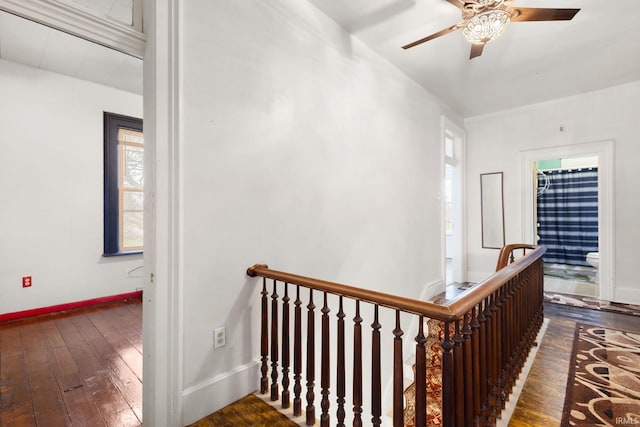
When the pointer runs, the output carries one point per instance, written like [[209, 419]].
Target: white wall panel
[[495, 143], [51, 173], [302, 149]]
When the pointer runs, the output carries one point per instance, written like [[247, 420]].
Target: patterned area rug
[[591, 303], [603, 388]]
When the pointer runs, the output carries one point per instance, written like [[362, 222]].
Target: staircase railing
[[488, 330]]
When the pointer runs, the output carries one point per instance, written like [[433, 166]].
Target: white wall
[[302, 149], [51, 171], [495, 143]]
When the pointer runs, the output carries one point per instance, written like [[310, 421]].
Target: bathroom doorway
[[532, 184], [566, 223]]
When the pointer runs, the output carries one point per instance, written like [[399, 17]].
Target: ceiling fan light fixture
[[479, 5], [486, 26]]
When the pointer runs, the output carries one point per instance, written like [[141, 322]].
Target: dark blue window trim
[[113, 122]]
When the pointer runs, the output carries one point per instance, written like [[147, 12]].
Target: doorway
[[602, 152], [453, 191], [566, 223]]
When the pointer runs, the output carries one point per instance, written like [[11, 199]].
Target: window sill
[[137, 252]]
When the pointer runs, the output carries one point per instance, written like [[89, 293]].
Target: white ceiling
[[531, 62], [38, 46]]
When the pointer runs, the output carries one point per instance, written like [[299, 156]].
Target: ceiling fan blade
[[520, 14], [476, 50], [433, 36]]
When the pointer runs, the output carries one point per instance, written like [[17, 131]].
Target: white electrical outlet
[[219, 337]]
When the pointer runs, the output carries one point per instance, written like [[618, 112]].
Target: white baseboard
[[217, 392], [432, 289], [627, 295], [511, 404]]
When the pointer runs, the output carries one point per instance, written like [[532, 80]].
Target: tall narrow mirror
[[492, 211]]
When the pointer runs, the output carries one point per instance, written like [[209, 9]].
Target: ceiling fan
[[485, 20]]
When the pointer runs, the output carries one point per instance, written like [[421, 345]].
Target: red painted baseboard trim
[[68, 306]]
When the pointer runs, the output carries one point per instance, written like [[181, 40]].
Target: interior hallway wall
[[495, 143], [51, 175], [302, 149]]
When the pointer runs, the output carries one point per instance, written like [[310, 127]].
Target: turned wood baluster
[[325, 370], [493, 360], [458, 375], [398, 375], [484, 359], [499, 348], [499, 333], [286, 400], [421, 376], [520, 326], [448, 397], [468, 369], [311, 362], [264, 339], [357, 368], [504, 330], [341, 369], [376, 381], [514, 325], [274, 344], [510, 361], [297, 355], [475, 345], [540, 289]]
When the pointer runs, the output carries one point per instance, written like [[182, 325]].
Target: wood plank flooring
[[84, 368], [248, 411], [76, 368], [542, 398]]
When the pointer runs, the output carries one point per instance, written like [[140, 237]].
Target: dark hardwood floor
[[84, 368], [542, 397], [76, 368], [248, 411]]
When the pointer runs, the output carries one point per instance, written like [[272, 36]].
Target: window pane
[[132, 219], [448, 146], [128, 135], [448, 199], [133, 167], [123, 183]]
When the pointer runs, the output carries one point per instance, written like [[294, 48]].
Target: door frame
[[459, 266], [604, 150]]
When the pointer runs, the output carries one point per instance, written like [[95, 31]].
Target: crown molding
[[80, 22]]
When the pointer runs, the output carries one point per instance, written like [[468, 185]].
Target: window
[[123, 184], [450, 164]]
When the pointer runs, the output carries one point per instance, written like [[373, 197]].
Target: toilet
[[593, 258]]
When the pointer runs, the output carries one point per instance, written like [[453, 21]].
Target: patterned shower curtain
[[568, 216]]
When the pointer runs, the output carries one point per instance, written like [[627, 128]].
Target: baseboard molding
[[432, 289], [627, 295], [215, 393], [510, 405], [68, 306]]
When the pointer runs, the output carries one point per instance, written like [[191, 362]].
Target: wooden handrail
[[449, 311], [506, 253], [484, 334]]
